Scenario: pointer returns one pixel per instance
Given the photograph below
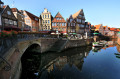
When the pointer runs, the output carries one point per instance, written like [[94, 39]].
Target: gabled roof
[[68, 19], [97, 26], [32, 16], [58, 15], [15, 10], [77, 13], [104, 27]]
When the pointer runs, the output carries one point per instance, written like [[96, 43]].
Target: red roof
[[115, 29], [58, 15], [97, 26], [14, 9], [4, 6], [32, 16]]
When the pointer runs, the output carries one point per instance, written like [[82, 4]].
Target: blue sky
[[96, 12]]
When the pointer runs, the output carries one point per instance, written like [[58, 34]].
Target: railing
[[7, 42]]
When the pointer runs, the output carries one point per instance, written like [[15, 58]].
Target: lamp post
[[57, 33]]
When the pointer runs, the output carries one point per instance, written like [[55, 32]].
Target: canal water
[[81, 63]]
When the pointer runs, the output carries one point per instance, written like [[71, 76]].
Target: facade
[[71, 29], [106, 30], [45, 21], [99, 28], [80, 22], [7, 19], [59, 24], [87, 28], [20, 17], [31, 21]]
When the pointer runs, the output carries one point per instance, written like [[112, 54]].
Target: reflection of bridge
[[12, 49]]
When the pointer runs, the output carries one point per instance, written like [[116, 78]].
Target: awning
[[26, 29], [95, 33], [44, 31], [12, 28]]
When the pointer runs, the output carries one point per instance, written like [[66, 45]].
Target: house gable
[[7, 13]]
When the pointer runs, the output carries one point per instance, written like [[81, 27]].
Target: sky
[[106, 12]]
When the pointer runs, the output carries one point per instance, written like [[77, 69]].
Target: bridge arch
[[30, 60]]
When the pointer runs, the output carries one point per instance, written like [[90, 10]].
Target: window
[[15, 22], [79, 15], [48, 22], [55, 24], [73, 24], [43, 16], [45, 21], [82, 25], [58, 18], [48, 16], [27, 21], [62, 24], [10, 21], [36, 19], [22, 24], [58, 24], [25, 16], [71, 20], [68, 24], [83, 21], [6, 21], [8, 12]]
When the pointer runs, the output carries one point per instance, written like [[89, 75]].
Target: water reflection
[[81, 63], [70, 59]]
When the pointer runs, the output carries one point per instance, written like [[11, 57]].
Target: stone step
[[57, 46]]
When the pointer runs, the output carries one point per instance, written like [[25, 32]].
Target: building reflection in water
[[67, 59], [70, 63], [118, 48]]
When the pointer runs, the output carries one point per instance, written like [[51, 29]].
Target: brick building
[[31, 21], [59, 24]]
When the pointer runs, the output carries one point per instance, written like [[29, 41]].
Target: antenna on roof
[[13, 5]]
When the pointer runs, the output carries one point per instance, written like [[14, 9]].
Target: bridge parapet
[[8, 42]]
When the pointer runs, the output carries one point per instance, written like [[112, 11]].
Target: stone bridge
[[12, 49]]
